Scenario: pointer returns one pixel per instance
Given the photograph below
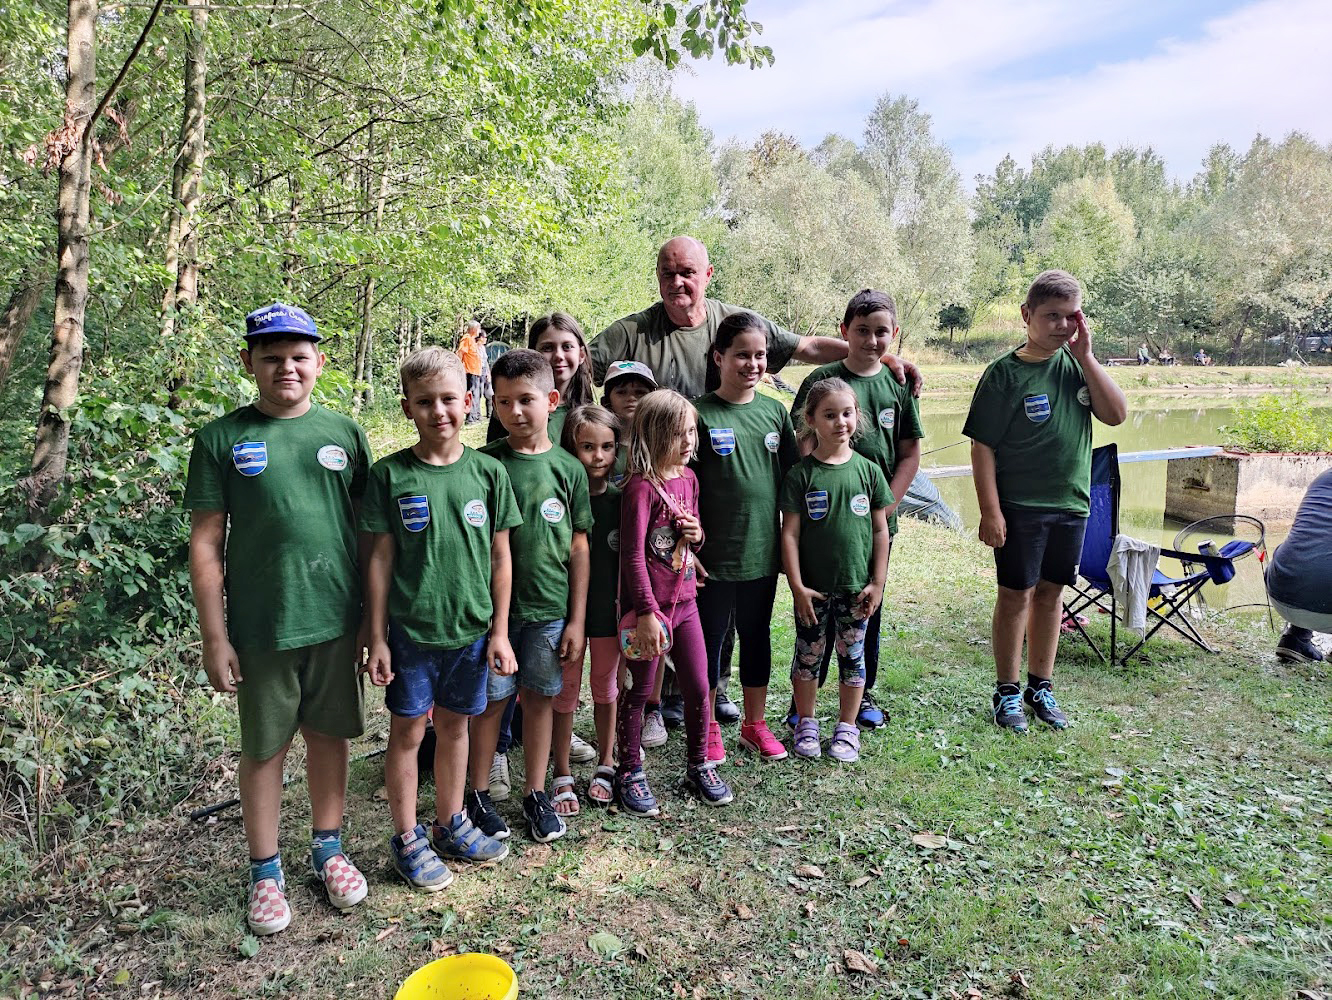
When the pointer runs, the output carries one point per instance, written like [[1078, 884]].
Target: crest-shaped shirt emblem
[[816, 504], [415, 512], [250, 457], [723, 439], [1037, 407]]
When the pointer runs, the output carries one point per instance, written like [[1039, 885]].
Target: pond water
[[1154, 422]]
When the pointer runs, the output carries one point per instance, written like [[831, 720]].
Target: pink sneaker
[[716, 748], [343, 881], [758, 737]]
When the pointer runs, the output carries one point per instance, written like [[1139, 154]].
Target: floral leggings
[[835, 616]]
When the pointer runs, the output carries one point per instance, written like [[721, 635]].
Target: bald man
[[672, 336]]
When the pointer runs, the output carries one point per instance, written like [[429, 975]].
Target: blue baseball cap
[[281, 318]]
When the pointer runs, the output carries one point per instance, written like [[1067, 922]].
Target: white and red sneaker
[[269, 911], [758, 737], [343, 882]]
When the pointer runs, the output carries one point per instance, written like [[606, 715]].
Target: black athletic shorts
[[1039, 545]]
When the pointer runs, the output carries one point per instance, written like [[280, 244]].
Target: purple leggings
[[690, 657]]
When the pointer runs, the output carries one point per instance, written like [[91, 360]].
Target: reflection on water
[[1153, 423]]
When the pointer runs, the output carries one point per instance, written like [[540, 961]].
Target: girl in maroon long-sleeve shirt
[[659, 528]]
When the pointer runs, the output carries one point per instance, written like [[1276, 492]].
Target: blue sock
[[267, 868], [323, 845]]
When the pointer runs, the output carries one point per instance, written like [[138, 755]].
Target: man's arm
[[208, 533], [826, 350], [1108, 402]]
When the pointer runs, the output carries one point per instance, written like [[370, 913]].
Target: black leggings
[[749, 605]]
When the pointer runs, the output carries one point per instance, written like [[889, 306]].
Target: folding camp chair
[[1168, 596]]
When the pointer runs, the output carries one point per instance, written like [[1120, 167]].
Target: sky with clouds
[[1014, 76]]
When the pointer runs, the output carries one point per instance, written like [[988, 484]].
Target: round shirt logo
[[332, 457], [474, 513], [860, 505], [552, 510], [613, 540], [772, 441], [1084, 396], [887, 418]]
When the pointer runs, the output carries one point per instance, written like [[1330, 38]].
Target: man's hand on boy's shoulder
[[499, 656], [905, 372], [222, 665]]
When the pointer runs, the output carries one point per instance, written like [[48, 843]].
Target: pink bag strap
[[678, 511]]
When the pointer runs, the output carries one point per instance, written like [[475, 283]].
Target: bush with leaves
[[1274, 423]]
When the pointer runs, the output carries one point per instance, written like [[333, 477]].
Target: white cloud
[[990, 75]]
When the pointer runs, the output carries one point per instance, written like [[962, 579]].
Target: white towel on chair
[[1132, 564]]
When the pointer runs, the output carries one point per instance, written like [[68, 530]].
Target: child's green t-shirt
[[443, 519], [551, 489], [744, 450], [834, 503], [289, 487], [1037, 417], [604, 582], [891, 413]]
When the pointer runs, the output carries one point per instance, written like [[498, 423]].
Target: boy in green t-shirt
[[550, 573], [1030, 428], [891, 439], [272, 490], [437, 518]]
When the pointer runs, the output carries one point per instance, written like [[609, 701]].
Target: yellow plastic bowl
[[473, 976]]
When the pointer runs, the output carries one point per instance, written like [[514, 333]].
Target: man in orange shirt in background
[[470, 353]]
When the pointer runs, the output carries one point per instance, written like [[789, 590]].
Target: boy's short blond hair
[[431, 362], [1053, 285]]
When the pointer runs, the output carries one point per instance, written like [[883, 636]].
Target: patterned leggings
[[833, 617]]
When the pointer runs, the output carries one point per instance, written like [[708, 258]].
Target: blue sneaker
[[870, 716], [1006, 705], [461, 840], [707, 784], [417, 863], [634, 795], [792, 716], [1043, 706]]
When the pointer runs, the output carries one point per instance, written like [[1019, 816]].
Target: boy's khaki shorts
[[315, 686]]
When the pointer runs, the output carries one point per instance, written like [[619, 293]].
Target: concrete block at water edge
[[1269, 486]]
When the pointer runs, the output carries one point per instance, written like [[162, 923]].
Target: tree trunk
[[365, 340], [17, 315], [51, 449], [187, 186]]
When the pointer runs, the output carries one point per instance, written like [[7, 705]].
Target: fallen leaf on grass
[[503, 948], [1233, 898], [809, 871], [665, 844], [442, 948], [249, 946], [606, 944], [930, 841], [641, 952], [1196, 900], [743, 912], [1019, 982], [381, 794], [1309, 995], [807, 909], [385, 933], [1116, 772], [864, 880], [858, 961], [121, 978]]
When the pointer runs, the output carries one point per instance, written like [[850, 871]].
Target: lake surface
[[1154, 422]]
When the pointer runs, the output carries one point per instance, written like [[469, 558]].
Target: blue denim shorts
[[537, 647], [453, 679]]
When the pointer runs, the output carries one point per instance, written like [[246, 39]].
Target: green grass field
[[1175, 841]]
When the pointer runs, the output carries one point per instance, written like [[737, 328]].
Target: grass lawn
[[1175, 841]]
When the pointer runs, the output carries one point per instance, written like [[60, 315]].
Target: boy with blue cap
[[272, 491]]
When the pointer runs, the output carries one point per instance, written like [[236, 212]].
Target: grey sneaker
[[845, 744], [581, 751], [654, 730], [1006, 704], [500, 785]]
